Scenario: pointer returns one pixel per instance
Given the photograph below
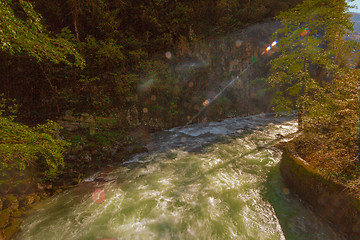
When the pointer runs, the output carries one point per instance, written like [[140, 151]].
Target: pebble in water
[[238, 43]]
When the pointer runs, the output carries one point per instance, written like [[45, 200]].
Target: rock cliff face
[[331, 201], [356, 20], [230, 53], [195, 72]]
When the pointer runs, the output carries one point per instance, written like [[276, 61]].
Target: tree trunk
[[75, 20], [300, 115]]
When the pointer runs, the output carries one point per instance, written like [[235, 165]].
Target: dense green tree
[[117, 39], [27, 154], [312, 73], [312, 51], [22, 30]]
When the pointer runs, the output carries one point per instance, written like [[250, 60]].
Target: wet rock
[[69, 117], [4, 217], [110, 151], [134, 149], [71, 157], [40, 187], [12, 202], [113, 151], [105, 175], [86, 157], [16, 213], [12, 228], [58, 191], [279, 135], [30, 199], [91, 147], [2, 237], [70, 126]]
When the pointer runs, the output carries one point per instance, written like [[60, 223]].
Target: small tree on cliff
[[313, 51]]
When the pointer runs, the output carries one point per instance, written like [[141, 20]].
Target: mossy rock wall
[[330, 200]]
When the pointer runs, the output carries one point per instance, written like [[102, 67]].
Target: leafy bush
[[106, 131], [28, 153], [330, 137], [335, 112]]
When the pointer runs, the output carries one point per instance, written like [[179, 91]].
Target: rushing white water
[[206, 181]]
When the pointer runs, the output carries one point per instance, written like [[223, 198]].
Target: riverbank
[[86, 156], [192, 178], [332, 200]]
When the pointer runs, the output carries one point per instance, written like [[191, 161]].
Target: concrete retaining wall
[[331, 201]]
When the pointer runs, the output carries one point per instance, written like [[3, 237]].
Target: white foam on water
[[176, 192]]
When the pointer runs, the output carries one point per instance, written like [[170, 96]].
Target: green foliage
[[312, 50], [336, 113], [8, 107], [29, 153], [312, 74], [27, 34], [116, 39], [103, 54], [106, 131]]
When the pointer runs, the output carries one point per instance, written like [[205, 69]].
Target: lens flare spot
[[145, 110], [206, 102], [274, 43], [147, 85], [254, 59], [168, 55], [304, 32], [238, 43], [285, 191], [268, 48], [98, 196]]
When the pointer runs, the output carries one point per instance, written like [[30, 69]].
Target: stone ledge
[[330, 200]]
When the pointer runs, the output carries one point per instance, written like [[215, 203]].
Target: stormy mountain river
[[217, 180]]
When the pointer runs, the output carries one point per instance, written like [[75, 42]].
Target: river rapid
[[217, 180]]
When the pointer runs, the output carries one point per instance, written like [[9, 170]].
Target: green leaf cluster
[[29, 153], [336, 113], [312, 74], [312, 51], [28, 35]]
